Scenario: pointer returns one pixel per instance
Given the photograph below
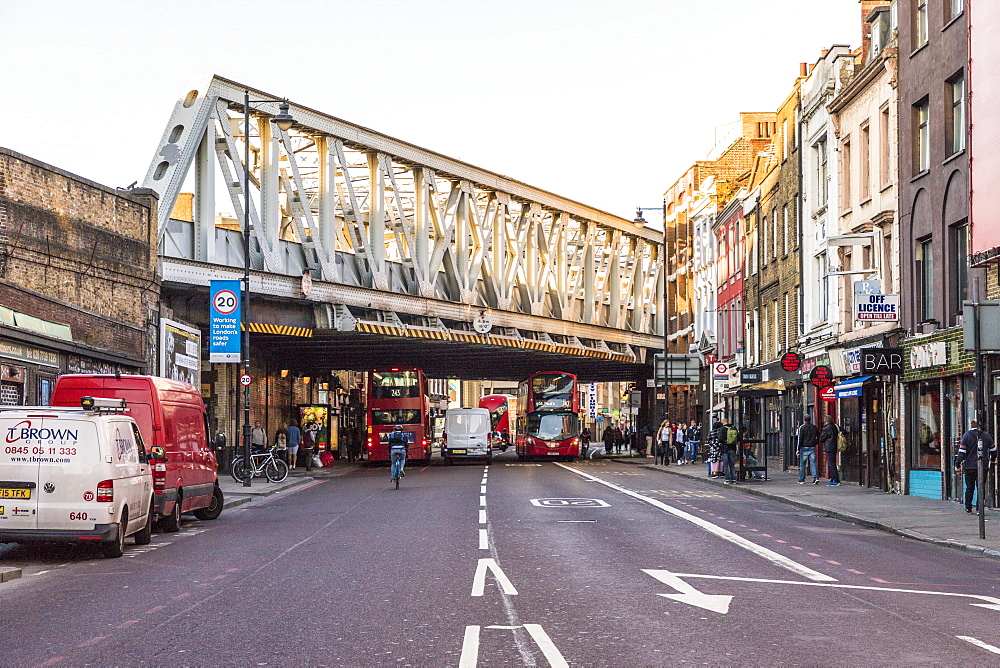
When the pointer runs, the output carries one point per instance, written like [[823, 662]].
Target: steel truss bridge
[[367, 250]]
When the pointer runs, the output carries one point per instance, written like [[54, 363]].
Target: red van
[[172, 415]]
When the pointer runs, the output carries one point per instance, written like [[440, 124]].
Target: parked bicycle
[[263, 464]]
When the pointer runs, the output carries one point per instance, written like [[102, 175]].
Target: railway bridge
[[370, 251]]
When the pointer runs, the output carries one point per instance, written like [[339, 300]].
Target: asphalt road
[[517, 564]]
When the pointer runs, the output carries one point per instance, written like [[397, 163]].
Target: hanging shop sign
[[749, 376], [821, 376], [828, 393], [791, 361]]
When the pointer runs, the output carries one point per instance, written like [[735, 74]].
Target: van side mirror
[[158, 454], [220, 442]]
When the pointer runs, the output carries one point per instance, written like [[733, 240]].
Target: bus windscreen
[[552, 391]]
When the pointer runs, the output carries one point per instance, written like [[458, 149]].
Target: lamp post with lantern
[[284, 122]]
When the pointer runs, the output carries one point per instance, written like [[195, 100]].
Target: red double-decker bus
[[548, 416], [499, 406], [398, 397]]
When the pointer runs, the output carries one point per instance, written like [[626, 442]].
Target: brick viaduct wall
[[75, 252]]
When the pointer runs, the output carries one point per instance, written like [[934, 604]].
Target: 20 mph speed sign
[[245, 379], [226, 302]]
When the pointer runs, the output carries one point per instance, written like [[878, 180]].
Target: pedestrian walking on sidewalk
[[680, 442], [307, 445], [805, 448], [294, 439], [829, 437], [663, 444], [258, 437], [730, 448], [693, 441], [976, 444], [715, 450], [609, 439]]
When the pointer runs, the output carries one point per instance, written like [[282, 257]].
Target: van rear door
[[18, 473], [69, 470]]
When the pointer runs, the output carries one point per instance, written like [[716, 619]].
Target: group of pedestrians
[[678, 443], [616, 439]]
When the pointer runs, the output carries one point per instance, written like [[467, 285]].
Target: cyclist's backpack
[[731, 435], [397, 440]]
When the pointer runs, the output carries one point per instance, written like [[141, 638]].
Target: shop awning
[[850, 387]]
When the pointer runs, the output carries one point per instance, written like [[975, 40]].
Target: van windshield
[[48, 441], [468, 423]]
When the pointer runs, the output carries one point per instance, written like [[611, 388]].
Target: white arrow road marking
[[688, 594], [759, 550], [991, 602], [470, 648], [479, 583], [980, 643], [470, 645]]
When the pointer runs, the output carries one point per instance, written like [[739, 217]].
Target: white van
[[467, 434], [74, 474]]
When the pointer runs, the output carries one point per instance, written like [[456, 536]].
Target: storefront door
[[850, 423], [874, 436]]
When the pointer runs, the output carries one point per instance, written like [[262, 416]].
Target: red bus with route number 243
[[548, 416], [398, 397]]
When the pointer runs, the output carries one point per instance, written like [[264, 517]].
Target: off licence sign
[[876, 307]]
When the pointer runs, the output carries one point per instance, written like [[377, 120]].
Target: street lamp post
[[284, 121]]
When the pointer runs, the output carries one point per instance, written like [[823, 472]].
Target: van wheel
[[214, 509], [172, 522], [116, 548], [144, 536]]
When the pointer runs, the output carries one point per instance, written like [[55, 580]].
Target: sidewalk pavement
[[943, 523], [236, 494]]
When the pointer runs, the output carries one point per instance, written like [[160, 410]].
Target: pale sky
[[606, 103]]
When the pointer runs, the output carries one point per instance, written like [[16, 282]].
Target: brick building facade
[[79, 290]]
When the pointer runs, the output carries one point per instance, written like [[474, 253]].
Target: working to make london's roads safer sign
[[224, 322], [876, 307]]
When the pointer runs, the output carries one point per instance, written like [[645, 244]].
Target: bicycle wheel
[[276, 470], [237, 469], [397, 482]]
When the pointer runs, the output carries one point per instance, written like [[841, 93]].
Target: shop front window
[[926, 450]]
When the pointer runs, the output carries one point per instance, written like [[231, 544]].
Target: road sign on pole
[[677, 370]]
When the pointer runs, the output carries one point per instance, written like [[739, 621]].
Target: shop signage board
[[748, 376], [791, 361], [852, 358], [592, 403], [19, 351], [224, 335], [828, 393], [867, 287], [928, 354], [887, 361], [821, 376], [876, 308]]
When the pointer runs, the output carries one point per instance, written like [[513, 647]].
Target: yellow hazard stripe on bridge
[[283, 330], [427, 334], [378, 328]]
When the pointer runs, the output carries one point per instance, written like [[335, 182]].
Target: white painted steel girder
[[419, 224]]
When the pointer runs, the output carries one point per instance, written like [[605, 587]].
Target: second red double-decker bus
[[397, 397], [499, 406], [548, 420]]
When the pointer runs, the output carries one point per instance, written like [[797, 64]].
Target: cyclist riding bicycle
[[397, 452]]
